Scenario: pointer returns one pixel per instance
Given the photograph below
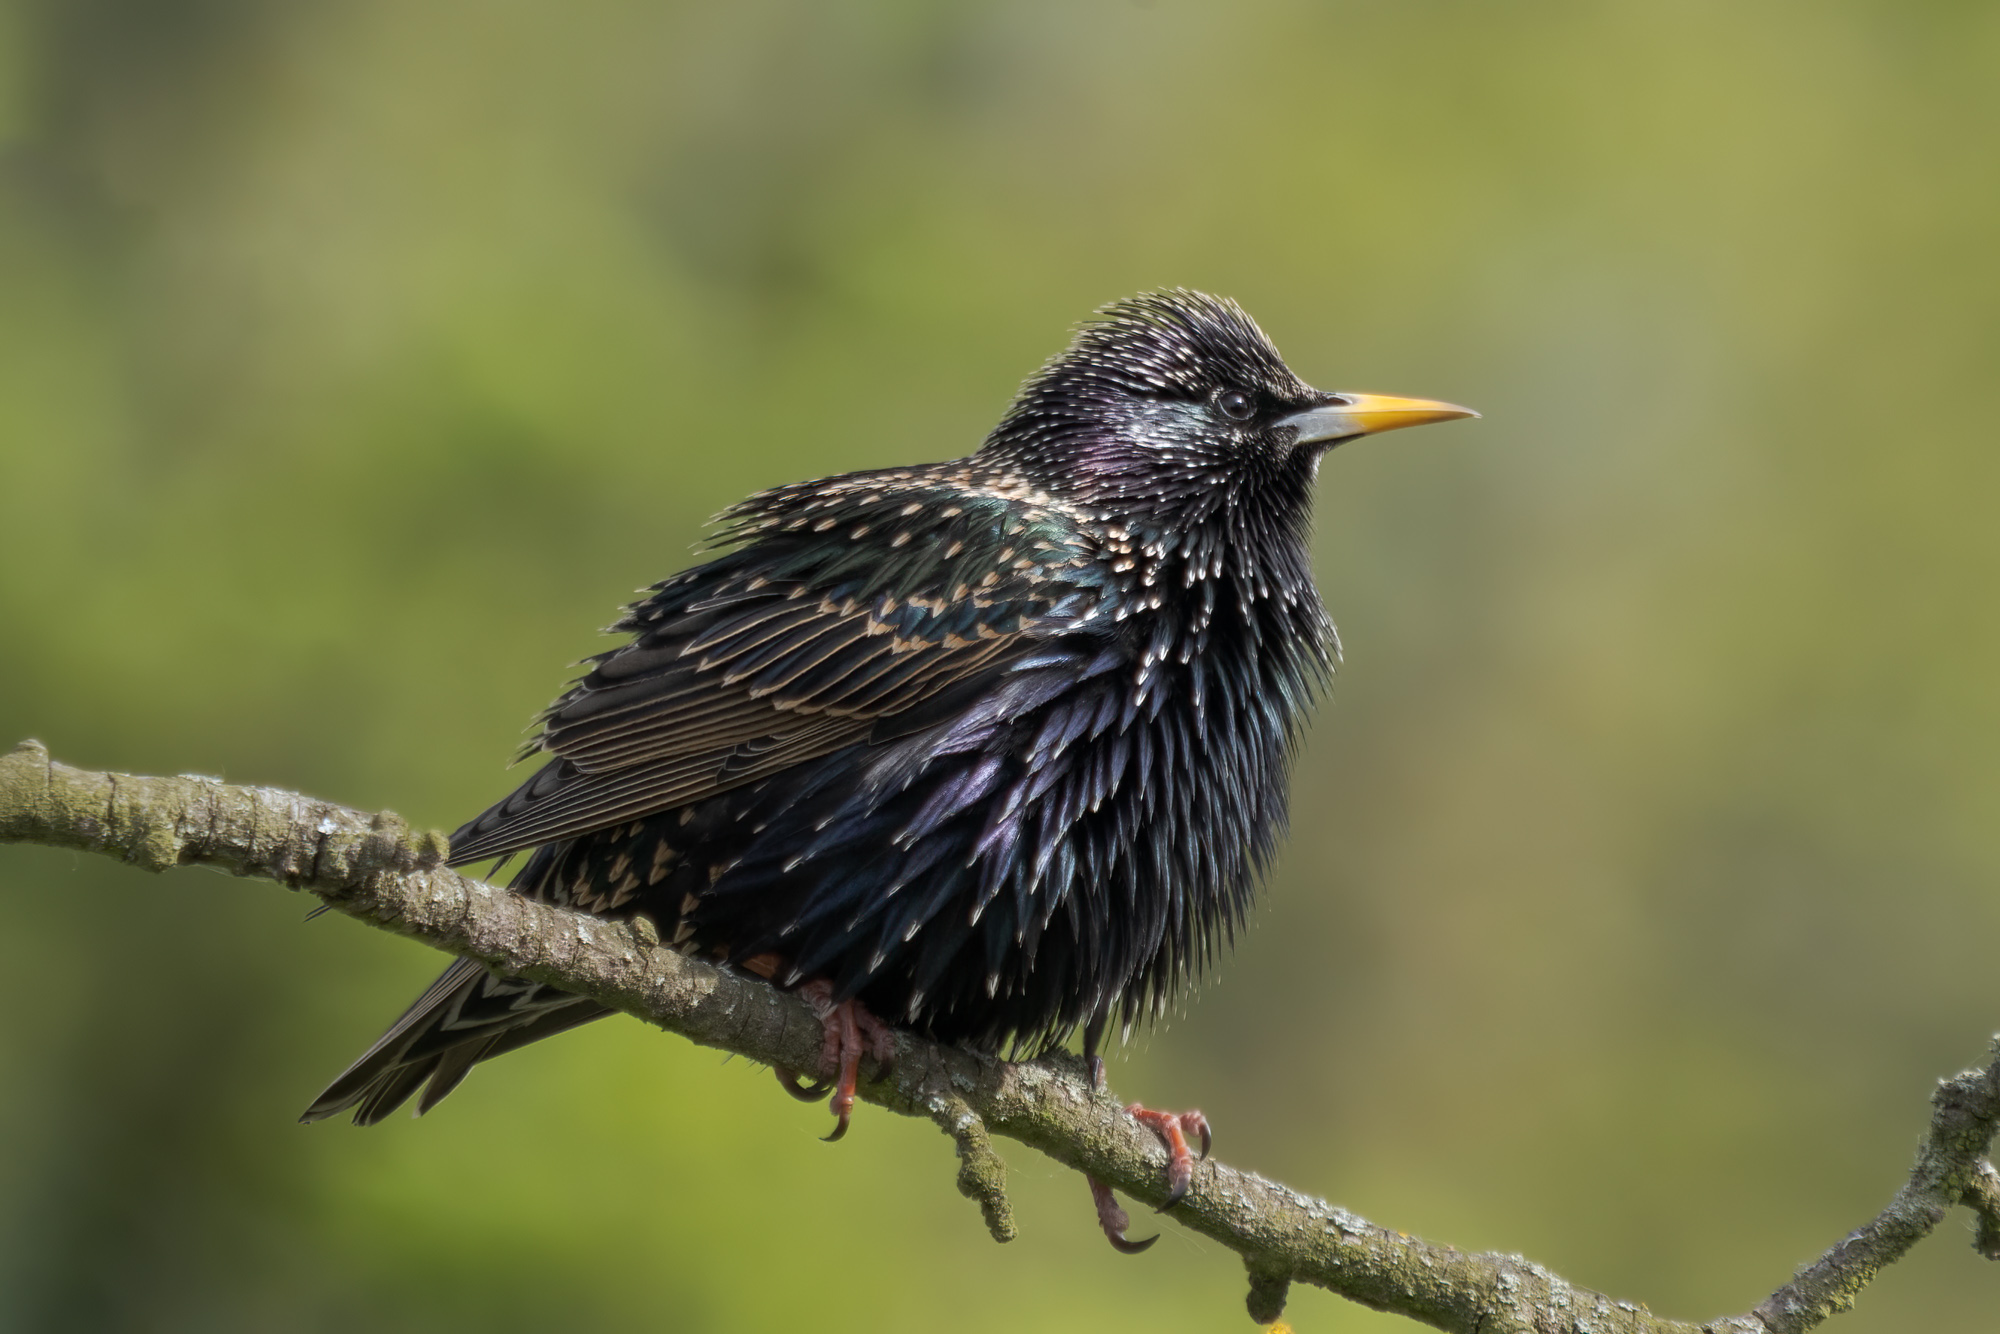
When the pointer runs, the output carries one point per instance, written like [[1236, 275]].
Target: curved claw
[[1124, 1247], [789, 1081], [1114, 1220], [839, 1129], [1207, 1140]]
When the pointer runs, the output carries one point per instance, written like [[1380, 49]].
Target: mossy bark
[[376, 868]]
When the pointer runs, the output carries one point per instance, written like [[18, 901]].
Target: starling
[[994, 750]]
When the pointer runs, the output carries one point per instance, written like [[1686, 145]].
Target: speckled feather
[[999, 746]]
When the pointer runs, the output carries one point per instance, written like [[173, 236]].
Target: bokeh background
[[358, 358]]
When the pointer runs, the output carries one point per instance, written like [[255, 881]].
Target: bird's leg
[[766, 966], [850, 1033], [1110, 1217], [1173, 1128]]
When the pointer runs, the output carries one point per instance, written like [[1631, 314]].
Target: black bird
[[993, 749]]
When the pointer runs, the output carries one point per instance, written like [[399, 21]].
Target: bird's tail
[[468, 1015]]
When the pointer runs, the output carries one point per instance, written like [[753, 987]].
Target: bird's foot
[[851, 1032], [1174, 1128]]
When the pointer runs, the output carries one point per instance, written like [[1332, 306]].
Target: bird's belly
[[999, 894]]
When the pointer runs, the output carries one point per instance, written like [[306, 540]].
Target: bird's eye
[[1236, 405]]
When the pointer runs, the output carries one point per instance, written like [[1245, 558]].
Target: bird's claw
[[850, 1032], [1174, 1128], [790, 1081], [1114, 1220]]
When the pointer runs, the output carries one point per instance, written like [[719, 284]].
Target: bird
[[994, 750]]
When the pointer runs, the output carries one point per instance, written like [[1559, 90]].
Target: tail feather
[[451, 1068], [386, 1094], [466, 1016]]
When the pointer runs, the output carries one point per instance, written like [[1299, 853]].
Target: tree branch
[[375, 868]]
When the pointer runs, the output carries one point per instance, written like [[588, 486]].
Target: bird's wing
[[785, 650]]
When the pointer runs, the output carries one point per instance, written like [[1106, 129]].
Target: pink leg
[[851, 1032], [1173, 1128]]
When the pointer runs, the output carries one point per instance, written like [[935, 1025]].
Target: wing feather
[[771, 656]]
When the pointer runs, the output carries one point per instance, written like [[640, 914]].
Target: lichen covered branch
[[1951, 1169], [375, 868], [982, 1175]]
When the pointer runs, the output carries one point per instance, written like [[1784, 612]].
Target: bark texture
[[376, 868]]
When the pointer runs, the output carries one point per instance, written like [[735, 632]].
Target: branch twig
[[377, 869]]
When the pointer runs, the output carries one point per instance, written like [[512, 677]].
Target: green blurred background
[[358, 358]]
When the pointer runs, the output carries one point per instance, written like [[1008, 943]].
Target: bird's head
[[1174, 406]]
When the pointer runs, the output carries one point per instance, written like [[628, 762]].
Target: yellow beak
[[1368, 414]]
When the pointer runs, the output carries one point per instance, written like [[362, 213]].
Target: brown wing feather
[[715, 701]]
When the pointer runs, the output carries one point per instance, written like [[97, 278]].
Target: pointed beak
[[1367, 414]]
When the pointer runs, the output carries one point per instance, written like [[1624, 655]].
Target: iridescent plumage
[[998, 746]]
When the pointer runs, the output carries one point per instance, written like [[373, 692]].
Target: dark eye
[[1236, 405]]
